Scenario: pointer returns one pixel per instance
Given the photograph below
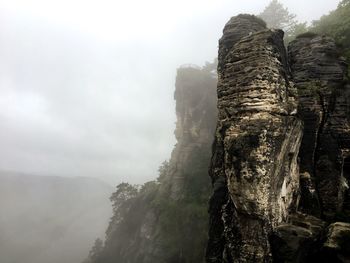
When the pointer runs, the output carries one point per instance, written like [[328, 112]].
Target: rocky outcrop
[[234, 30], [256, 146], [298, 239], [280, 165]]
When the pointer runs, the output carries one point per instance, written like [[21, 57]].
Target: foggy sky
[[86, 87]]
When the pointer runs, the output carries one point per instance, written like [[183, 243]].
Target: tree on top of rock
[[277, 16]]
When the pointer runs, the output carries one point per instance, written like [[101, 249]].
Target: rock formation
[[319, 74], [151, 224], [196, 116], [280, 162], [256, 143]]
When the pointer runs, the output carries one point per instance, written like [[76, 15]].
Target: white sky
[[86, 87]]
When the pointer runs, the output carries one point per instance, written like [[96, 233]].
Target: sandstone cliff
[[256, 144], [319, 74], [280, 162], [166, 220]]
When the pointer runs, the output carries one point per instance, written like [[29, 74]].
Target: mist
[[87, 87], [50, 219], [87, 102]]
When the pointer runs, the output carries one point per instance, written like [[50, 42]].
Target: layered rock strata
[[256, 146], [234, 30], [319, 73]]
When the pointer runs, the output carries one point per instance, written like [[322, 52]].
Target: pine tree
[[277, 16]]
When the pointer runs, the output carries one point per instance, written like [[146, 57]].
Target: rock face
[[256, 144], [196, 116], [319, 74], [234, 30], [280, 162]]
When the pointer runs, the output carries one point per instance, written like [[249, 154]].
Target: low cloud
[[86, 93]]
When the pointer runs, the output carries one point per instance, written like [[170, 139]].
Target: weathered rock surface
[[319, 73], [297, 240], [234, 30], [280, 166], [256, 146]]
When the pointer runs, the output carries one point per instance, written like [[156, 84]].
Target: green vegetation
[[277, 16], [336, 24], [181, 225]]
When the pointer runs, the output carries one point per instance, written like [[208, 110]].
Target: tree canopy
[[337, 25], [277, 16]]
